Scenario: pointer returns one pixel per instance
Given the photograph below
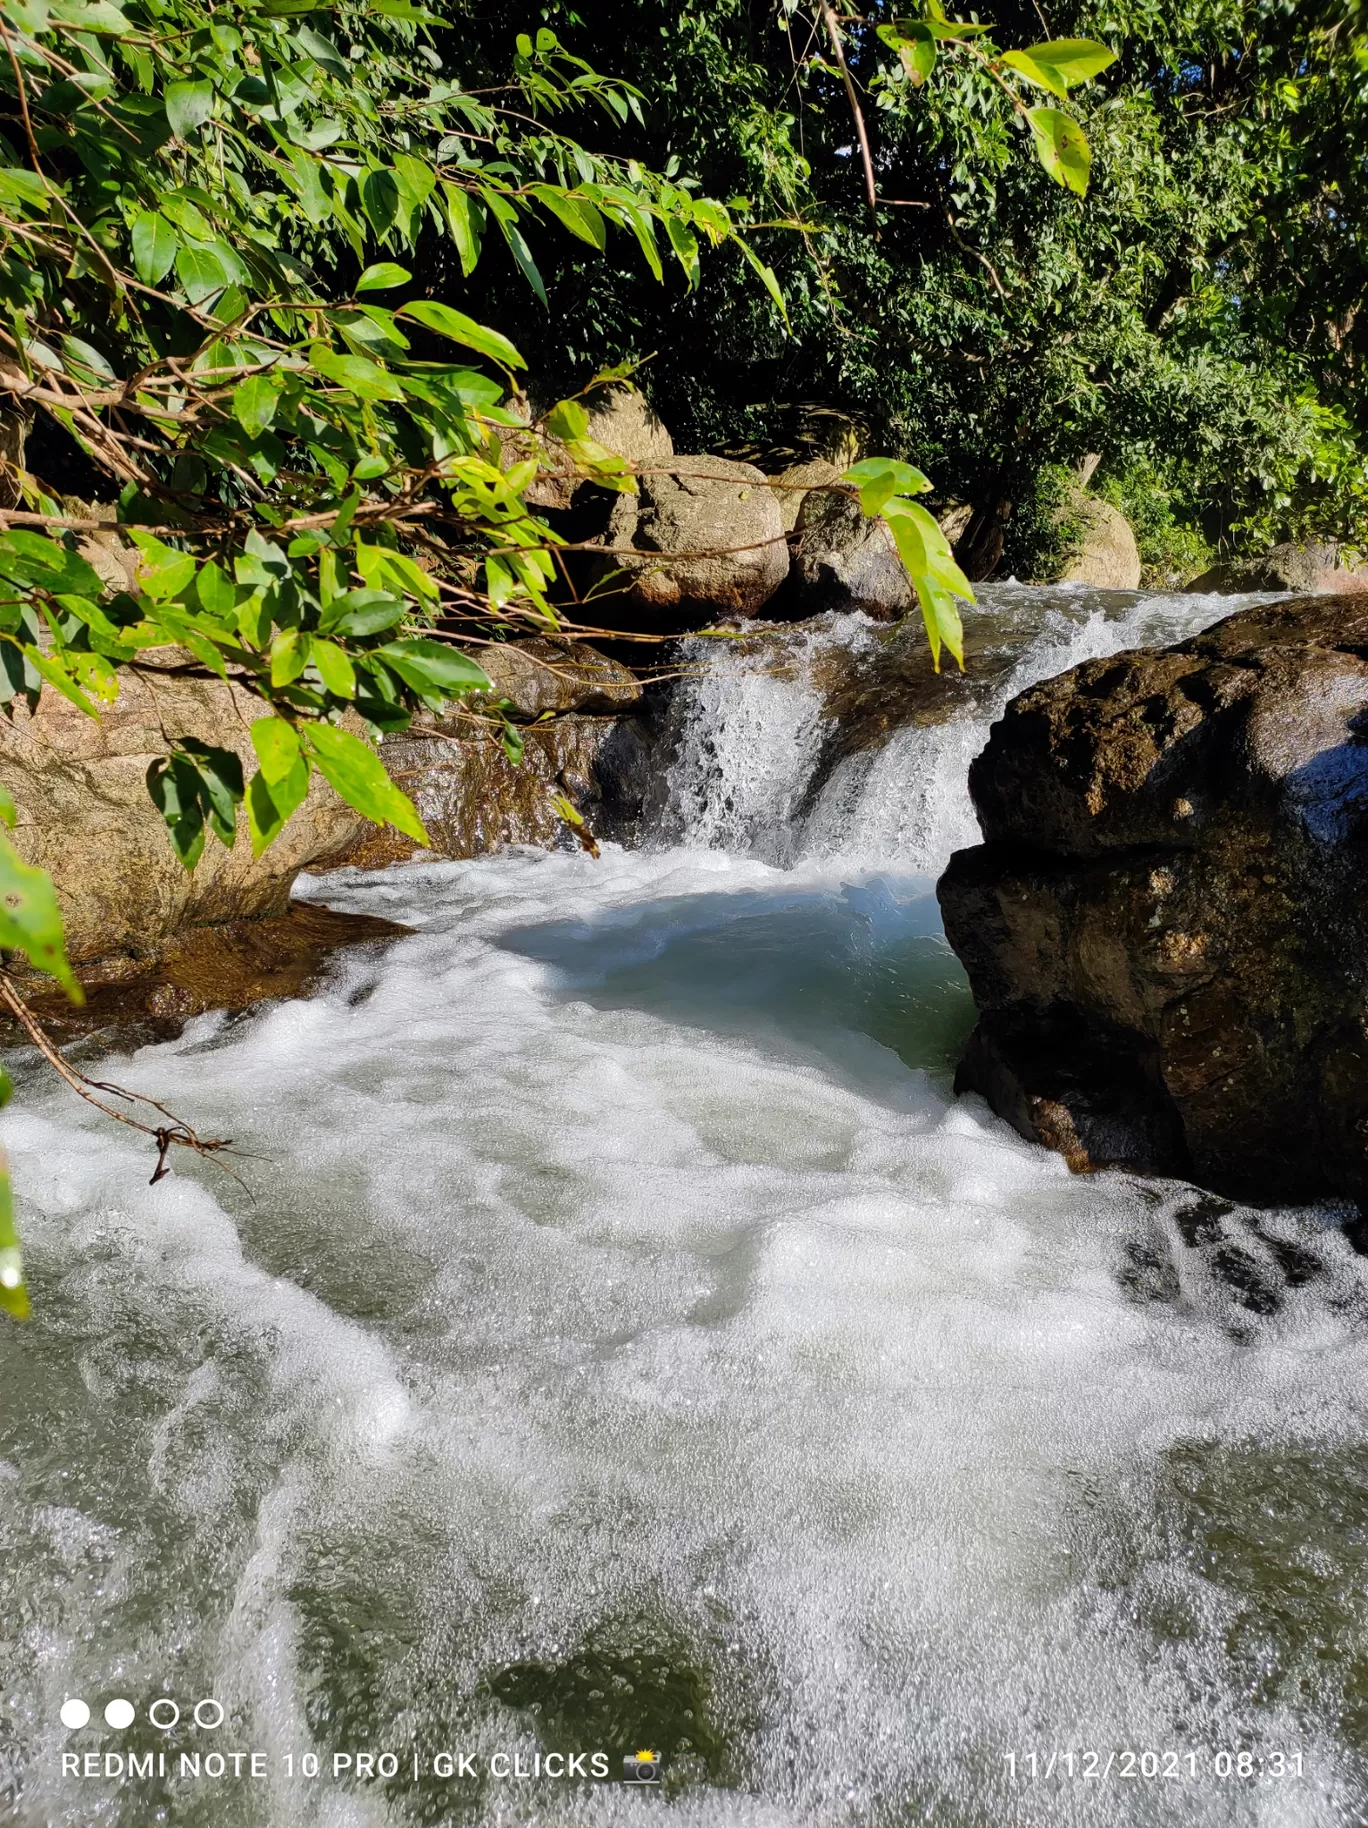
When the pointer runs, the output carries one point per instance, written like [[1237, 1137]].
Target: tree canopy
[[1195, 321]]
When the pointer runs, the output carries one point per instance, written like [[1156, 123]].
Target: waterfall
[[758, 763]]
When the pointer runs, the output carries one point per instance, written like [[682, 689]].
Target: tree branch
[[834, 33]]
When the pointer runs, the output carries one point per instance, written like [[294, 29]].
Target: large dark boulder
[[1166, 927]]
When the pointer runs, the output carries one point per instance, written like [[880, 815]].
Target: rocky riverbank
[[1165, 926]]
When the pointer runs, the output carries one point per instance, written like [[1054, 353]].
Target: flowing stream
[[620, 1338]]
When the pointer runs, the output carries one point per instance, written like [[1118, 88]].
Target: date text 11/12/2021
[[1098, 1767]]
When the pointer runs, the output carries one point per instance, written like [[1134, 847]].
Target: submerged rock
[[1305, 569], [84, 813], [1166, 928]]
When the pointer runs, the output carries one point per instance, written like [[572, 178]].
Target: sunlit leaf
[[357, 773], [1062, 147], [30, 920], [382, 276]]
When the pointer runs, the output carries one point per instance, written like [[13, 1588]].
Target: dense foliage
[[1197, 322]]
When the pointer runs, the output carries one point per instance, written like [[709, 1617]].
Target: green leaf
[[401, 9], [163, 572], [416, 180], [34, 561], [382, 568], [937, 579], [334, 668], [366, 379], [269, 804], [767, 278], [30, 920], [522, 255], [324, 52], [220, 783], [364, 612], [358, 774], [277, 747], [200, 271], [880, 478], [289, 656], [577, 214], [188, 105], [382, 276], [214, 588], [59, 678], [463, 329], [1040, 74], [90, 16], [915, 44], [432, 667], [685, 244], [1062, 147], [178, 795], [1062, 63], [569, 420], [13, 1295], [254, 404], [954, 28], [380, 199], [466, 216], [154, 247]]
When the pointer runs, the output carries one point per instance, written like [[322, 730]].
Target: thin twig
[[834, 33], [166, 1135], [23, 99]]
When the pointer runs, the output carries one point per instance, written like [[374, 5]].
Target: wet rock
[[85, 815], [544, 675], [473, 800], [1105, 554], [231, 966], [717, 529], [1165, 928], [842, 560], [1309, 569]]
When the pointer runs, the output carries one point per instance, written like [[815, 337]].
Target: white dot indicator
[[74, 1714], [119, 1714]]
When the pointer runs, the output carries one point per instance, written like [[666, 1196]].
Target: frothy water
[[624, 1339]]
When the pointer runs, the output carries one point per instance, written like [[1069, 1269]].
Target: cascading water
[[621, 1338]]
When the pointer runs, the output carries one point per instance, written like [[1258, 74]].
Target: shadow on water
[[807, 964]]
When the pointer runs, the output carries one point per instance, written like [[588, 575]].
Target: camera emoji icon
[[641, 1768]]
